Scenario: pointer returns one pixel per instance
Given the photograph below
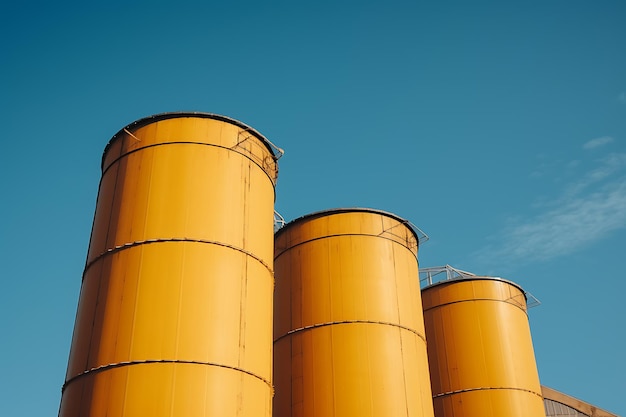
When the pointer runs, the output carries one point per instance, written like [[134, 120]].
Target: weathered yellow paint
[[175, 310], [480, 349], [348, 325]]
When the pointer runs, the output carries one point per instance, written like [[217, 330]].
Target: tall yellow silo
[[480, 350], [348, 326], [175, 309]]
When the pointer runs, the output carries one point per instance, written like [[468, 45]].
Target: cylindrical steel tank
[[480, 350], [348, 326], [175, 309]]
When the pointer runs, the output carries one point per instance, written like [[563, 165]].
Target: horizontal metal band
[[160, 361], [201, 115], [444, 394], [332, 323], [272, 176], [497, 300], [175, 239], [398, 241]]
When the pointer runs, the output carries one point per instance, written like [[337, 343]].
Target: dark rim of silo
[[475, 278], [173, 115], [340, 210]]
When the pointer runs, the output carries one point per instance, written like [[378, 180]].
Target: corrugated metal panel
[[556, 409]]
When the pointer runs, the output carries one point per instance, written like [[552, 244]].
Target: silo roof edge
[[419, 235], [172, 115], [475, 278]]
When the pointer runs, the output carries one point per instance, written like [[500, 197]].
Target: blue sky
[[498, 128]]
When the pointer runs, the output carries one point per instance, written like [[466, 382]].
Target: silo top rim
[[419, 235], [173, 115], [474, 278]]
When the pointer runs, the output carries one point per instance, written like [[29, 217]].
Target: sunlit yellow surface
[[349, 333], [175, 310], [480, 350]]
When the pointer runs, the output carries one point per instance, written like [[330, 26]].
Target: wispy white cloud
[[587, 210], [573, 164], [568, 227], [608, 167], [597, 142]]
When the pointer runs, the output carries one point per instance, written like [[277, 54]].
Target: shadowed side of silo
[[480, 350], [348, 327], [175, 309]]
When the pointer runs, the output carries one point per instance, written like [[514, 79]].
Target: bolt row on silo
[[175, 309]]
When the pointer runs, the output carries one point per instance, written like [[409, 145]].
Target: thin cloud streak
[[610, 165], [569, 227], [575, 219], [597, 142]]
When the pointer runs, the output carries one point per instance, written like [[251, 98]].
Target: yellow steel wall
[[175, 310], [480, 350], [348, 325]]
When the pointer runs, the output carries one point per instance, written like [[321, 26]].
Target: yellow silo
[[480, 350], [175, 309], [348, 326]]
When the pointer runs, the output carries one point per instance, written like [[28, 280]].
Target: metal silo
[[175, 309], [480, 350], [348, 326]]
